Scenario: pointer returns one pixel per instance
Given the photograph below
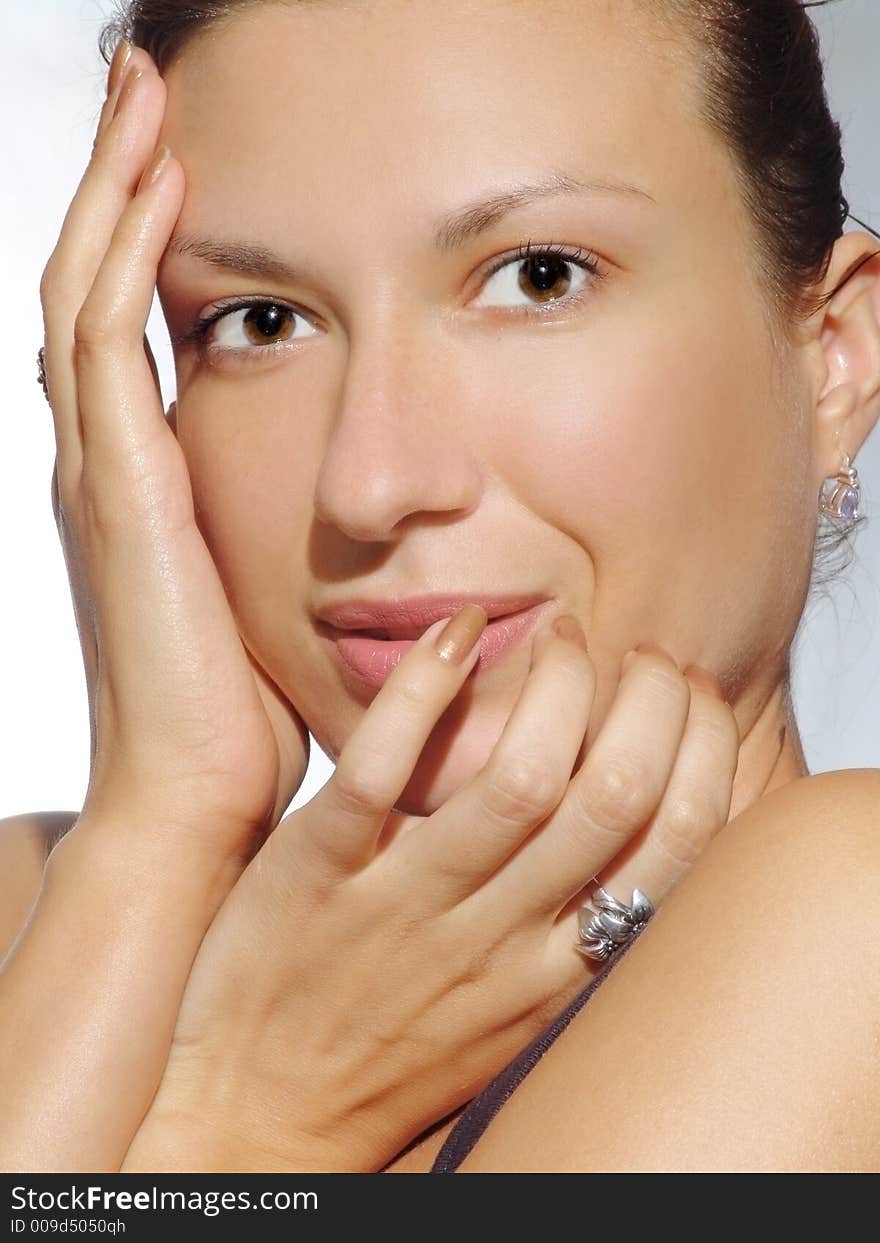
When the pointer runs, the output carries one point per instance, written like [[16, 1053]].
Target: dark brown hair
[[762, 90]]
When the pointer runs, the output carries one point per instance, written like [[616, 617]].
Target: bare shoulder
[[25, 843], [853, 790], [740, 1031], [834, 813]]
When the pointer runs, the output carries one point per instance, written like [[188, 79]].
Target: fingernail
[[117, 65], [567, 627], [457, 638], [129, 86], [646, 648], [705, 680], [155, 170]]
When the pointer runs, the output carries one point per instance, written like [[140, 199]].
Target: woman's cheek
[[252, 501], [585, 444]]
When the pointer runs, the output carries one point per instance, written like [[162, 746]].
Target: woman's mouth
[[371, 654]]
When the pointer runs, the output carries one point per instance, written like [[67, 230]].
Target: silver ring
[[604, 924], [41, 371]]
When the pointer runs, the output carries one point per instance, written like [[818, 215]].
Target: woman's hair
[[763, 91]]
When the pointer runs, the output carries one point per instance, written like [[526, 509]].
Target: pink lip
[[421, 611], [372, 660]]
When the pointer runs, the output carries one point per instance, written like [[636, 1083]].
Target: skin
[[837, 363], [408, 438]]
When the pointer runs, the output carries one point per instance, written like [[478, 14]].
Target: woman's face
[[628, 445]]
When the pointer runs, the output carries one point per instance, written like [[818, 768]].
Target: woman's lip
[[418, 611], [372, 660]]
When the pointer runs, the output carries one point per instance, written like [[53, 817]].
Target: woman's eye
[[541, 277], [253, 328]]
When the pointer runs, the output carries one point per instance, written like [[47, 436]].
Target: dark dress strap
[[482, 1109]]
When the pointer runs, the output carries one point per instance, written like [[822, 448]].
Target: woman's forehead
[[337, 131], [458, 86]]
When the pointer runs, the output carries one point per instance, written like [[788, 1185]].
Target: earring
[[843, 498]]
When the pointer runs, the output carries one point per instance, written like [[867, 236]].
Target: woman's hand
[[195, 755], [370, 971], [186, 729]]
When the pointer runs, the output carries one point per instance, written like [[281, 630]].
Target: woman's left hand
[[370, 971]]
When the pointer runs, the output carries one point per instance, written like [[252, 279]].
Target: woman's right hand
[[371, 970], [186, 729]]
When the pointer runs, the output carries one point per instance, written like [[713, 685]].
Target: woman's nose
[[395, 449]]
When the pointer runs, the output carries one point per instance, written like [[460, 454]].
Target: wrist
[[173, 1142], [94, 983], [139, 862], [214, 1112]]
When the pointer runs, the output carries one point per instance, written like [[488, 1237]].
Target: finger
[[695, 805], [378, 760], [115, 74], [126, 139], [121, 412], [613, 795], [106, 187], [525, 778], [81, 609]]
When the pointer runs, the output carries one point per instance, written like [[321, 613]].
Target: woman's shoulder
[[739, 1033], [858, 788], [25, 843], [803, 810]]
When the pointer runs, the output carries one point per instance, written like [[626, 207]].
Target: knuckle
[[55, 277], [357, 790], [683, 825], [522, 789], [94, 332], [49, 283], [618, 796]]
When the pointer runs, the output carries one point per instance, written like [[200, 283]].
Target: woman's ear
[[848, 403]]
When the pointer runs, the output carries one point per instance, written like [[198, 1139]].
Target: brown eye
[[547, 275], [254, 329], [265, 325], [541, 276]]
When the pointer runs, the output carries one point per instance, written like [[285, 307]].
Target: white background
[[51, 87]]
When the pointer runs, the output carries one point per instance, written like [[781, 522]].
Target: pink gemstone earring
[[843, 498]]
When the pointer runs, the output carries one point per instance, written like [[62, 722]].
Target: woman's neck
[[771, 754]]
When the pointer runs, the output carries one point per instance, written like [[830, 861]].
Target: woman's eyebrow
[[465, 223], [234, 256], [451, 231]]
